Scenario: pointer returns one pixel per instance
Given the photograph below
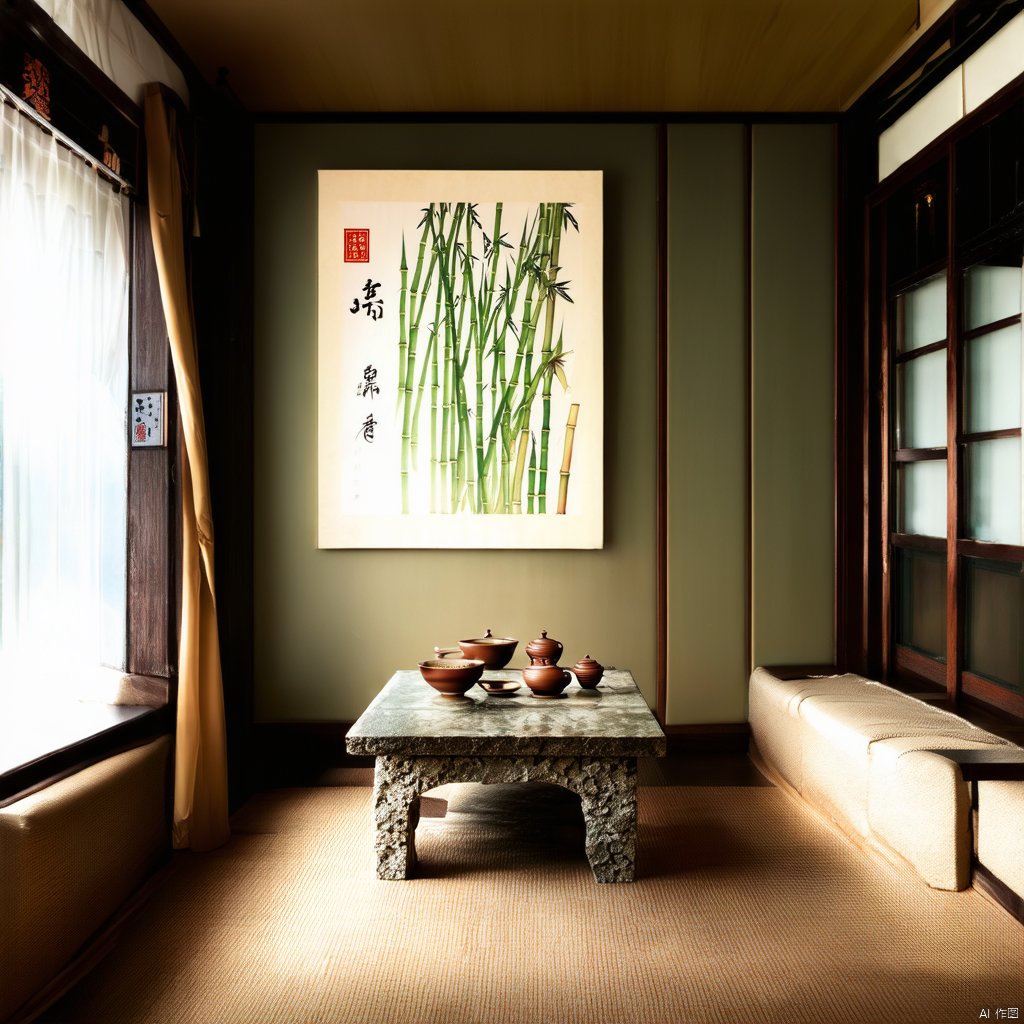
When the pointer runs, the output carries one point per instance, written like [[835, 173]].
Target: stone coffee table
[[586, 741]]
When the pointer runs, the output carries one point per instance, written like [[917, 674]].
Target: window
[[949, 247], [64, 287]]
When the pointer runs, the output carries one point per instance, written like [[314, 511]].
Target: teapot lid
[[587, 662], [544, 646]]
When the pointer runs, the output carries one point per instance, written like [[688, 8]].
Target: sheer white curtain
[[63, 402]]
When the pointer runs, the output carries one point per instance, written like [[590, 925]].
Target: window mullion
[[954, 631]]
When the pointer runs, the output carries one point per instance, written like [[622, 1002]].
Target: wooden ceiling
[[575, 56]]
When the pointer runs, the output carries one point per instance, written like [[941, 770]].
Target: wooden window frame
[[153, 534], [898, 663]]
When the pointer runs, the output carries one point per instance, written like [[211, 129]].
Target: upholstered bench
[[70, 855], [1001, 832], [872, 759]]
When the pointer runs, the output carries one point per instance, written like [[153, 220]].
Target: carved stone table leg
[[608, 795], [606, 788], [396, 804]]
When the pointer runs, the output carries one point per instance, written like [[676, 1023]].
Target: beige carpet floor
[[748, 909]]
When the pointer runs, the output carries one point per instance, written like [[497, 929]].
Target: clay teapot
[[546, 680], [544, 650], [588, 672], [542, 675]]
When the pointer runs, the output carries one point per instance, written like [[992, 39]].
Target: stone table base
[[606, 788]]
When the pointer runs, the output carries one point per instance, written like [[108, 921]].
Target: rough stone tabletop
[[409, 718]]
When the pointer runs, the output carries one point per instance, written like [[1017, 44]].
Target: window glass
[[63, 398], [921, 315], [993, 496], [994, 596], [991, 293], [920, 593], [921, 498], [994, 383], [921, 421]]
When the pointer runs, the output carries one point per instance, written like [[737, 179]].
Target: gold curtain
[[200, 775]]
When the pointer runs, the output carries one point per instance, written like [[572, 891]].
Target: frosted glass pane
[[922, 406], [994, 380], [921, 315], [994, 491], [994, 623], [921, 601], [921, 498], [991, 294]]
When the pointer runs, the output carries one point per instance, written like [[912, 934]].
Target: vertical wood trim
[[870, 220], [953, 347], [886, 455], [748, 388], [150, 515], [661, 472], [840, 407]]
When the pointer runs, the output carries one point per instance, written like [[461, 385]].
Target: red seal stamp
[[357, 245]]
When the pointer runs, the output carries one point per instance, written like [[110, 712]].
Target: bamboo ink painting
[[460, 359]]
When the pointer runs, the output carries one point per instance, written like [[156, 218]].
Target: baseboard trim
[[299, 753], [711, 738]]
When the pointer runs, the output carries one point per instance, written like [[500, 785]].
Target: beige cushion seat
[[864, 754], [1001, 832]]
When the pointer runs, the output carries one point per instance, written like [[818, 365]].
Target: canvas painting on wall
[[460, 384]]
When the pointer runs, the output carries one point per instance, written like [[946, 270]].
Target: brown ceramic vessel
[[493, 651], [544, 650], [452, 677], [546, 680], [588, 672]]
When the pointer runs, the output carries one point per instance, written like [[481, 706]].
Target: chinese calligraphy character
[[369, 384], [367, 428], [374, 307]]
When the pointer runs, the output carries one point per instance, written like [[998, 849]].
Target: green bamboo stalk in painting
[[431, 339], [563, 482], [531, 476], [549, 326], [403, 341], [517, 483], [537, 272], [407, 364], [435, 467], [476, 341], [460, 421]]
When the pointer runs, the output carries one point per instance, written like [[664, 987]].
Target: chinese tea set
[[455, 670]]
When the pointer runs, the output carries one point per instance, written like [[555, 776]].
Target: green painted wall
[[749, 421], [707, 424], [331, 626], [793, 324]]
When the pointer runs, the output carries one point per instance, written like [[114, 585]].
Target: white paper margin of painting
[[346, 199]]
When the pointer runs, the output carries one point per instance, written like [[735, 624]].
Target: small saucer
[[499, 687], [549, 696]]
